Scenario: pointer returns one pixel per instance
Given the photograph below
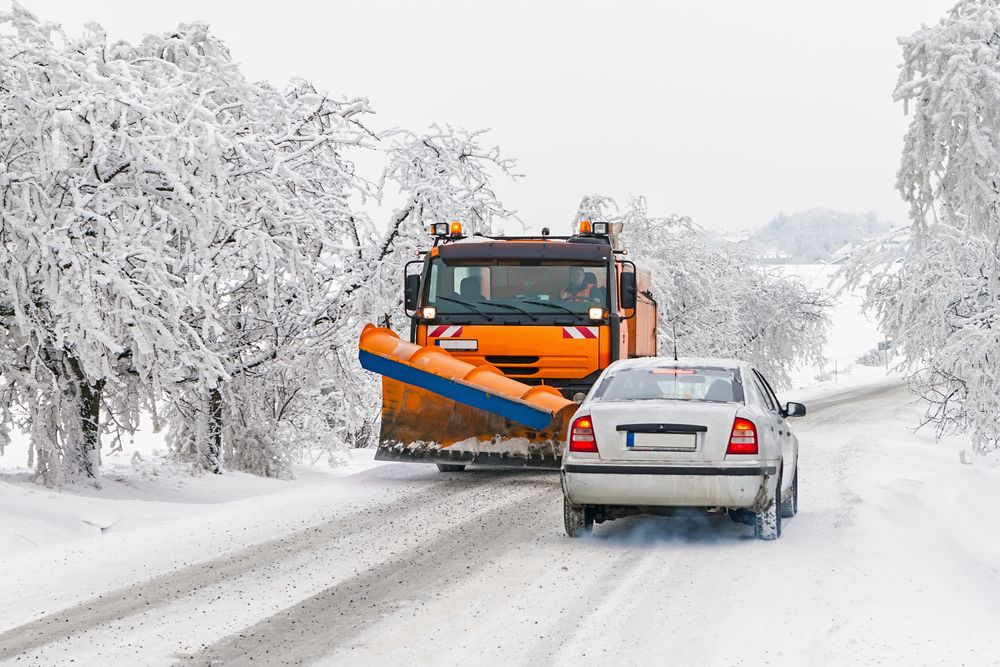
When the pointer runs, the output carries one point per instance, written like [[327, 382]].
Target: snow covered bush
[[939, 302], [873, 357], [714, 298], [826, 375]]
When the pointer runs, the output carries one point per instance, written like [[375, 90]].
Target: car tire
[[790, 505], [578, 519], [767, 522], [450, 467]]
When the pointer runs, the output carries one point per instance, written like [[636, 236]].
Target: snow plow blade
[[437, 409]]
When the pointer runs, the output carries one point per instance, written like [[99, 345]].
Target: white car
[[658, 433]]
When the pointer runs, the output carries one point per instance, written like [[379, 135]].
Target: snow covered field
[[893, 559]]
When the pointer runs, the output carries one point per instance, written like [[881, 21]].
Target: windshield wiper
[[512, 307], [553, 305], [489, 318]]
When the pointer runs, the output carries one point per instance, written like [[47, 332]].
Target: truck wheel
[[450, 467], [579, 521], [790, 506], [767, 523]]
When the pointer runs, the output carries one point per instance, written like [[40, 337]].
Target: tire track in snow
[[611, 596], [316, 626], [163, 589]]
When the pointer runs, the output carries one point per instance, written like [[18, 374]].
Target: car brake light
[[744, 437], [581, 436]]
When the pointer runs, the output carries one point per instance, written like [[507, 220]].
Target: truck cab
[[540, 309]]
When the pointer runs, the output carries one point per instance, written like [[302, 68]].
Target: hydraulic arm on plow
[[504, 332]]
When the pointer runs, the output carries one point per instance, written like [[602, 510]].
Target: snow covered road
[[892, 559]]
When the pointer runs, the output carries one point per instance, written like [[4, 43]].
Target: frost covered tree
[[939, 303], [305, 375], [714, 298], [91, 308], [169, 230], [442, 175], [174, 234], [269, 266]]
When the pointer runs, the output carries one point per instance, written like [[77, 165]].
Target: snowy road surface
[[893, 559]]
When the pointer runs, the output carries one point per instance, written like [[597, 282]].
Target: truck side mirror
[[411, 291], [627, 294]]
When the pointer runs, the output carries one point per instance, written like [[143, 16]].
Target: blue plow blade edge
[[461, 392]]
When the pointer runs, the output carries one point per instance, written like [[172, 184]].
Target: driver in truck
[[579, 287]]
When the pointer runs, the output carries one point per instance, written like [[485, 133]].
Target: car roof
[[670, 362]]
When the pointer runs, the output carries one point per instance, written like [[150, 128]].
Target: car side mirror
[[627, 296], [411, 291], [795, 410]]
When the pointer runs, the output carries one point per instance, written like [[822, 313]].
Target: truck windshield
[[535, 286]]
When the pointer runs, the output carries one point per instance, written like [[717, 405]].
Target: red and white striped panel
[[444, 331], [579, 332]]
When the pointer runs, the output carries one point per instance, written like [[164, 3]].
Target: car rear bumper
[[730, 485]]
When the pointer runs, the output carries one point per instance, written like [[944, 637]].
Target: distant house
[[774, 258], [841, 255]]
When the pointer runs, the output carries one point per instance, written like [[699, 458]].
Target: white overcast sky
[[727, 111]]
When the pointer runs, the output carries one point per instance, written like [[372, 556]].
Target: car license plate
[[672, 441]]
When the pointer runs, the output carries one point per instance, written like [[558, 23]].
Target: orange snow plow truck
[[504, 333]]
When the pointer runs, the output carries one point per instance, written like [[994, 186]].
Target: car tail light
[[581, 436], [744, 437]]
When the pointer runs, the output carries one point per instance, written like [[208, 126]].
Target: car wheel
[[450, 467], [577, 519], [767, 522], [790, 506]]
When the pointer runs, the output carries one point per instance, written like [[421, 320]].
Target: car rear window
[[681, 383]]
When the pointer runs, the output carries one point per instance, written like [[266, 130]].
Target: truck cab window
[[537, 286]]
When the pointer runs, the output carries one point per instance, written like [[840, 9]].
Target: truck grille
[[517, 370], [510, 359]]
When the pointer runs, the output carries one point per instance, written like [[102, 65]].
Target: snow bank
[[142, 492]]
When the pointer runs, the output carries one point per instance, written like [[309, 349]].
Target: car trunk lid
[[656, 430]]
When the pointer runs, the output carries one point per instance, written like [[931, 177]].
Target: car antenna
[[673, 326]]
